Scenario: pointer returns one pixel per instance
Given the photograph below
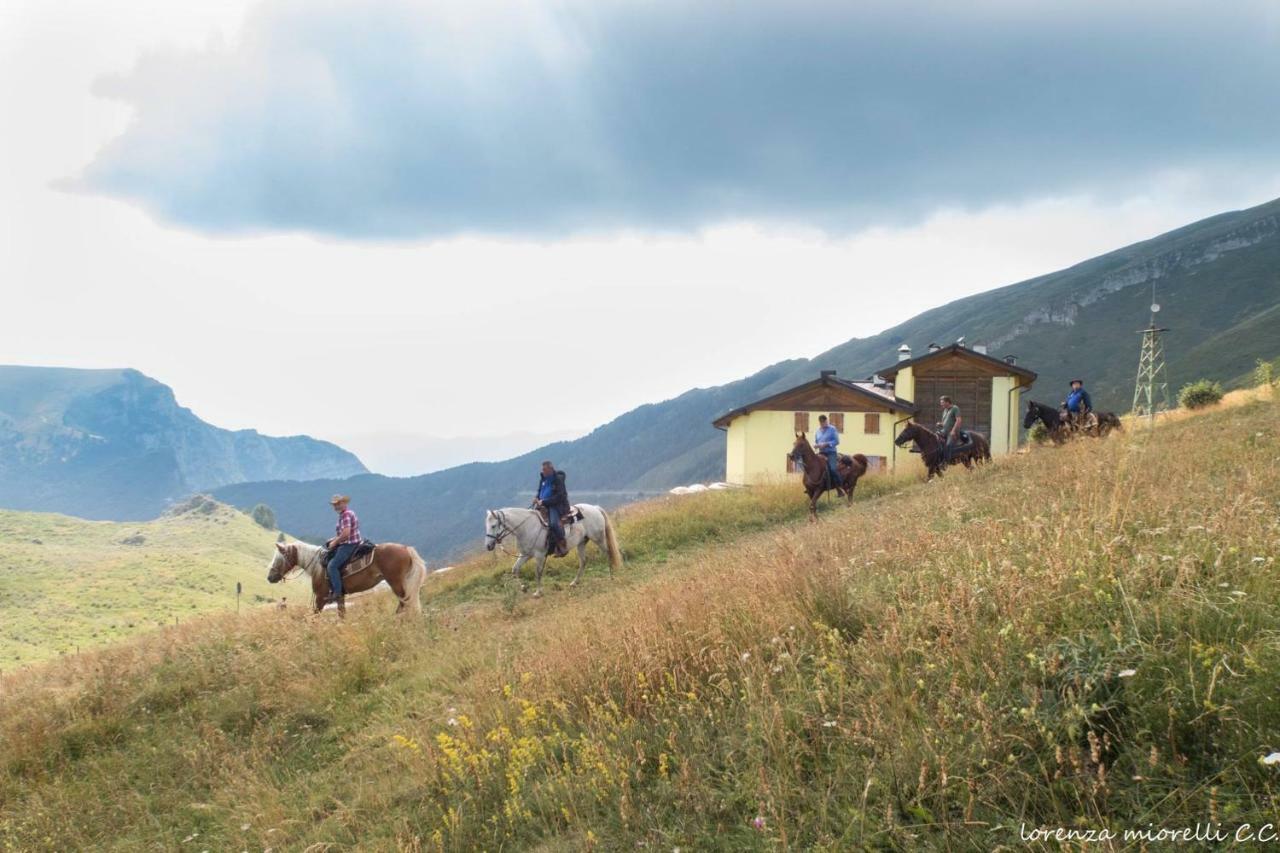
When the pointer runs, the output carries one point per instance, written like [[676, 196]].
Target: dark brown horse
[[1060, 430], [930, 447], [850, 468], [399, 565]]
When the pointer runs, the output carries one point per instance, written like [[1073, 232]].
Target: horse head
[[909, 433], [282, 562], [494, 528], [798, 449], [1033, 413]]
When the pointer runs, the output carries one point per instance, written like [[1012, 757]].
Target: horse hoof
[[537, 594], [573, 583]]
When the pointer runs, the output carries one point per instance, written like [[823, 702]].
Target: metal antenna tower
[[1151, 390]]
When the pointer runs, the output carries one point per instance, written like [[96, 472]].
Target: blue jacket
[[827, 435], [1076, 398], [552, 491]]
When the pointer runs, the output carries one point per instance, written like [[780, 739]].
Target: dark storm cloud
[[387, 120]]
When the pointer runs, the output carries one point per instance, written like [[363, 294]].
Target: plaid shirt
[[348, 529]]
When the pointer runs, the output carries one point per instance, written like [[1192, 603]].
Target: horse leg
[[320, 592], [542, 560], [520, 561], [813, 506], [582, 560], [398, 586]]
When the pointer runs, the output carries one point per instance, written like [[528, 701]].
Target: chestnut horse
[[850, 468], [930, 447], [399, 565]]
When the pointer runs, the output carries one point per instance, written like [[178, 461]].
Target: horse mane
[[307, 558]]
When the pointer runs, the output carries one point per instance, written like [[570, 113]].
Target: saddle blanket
[[359, 561], [573, 515]]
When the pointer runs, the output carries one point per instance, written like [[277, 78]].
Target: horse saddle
[[360, 558], [566, 518]]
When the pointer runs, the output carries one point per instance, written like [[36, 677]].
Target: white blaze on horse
[[529, 530], [399, 565]]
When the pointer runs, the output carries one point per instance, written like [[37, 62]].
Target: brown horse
[[1060, 430], [399, 565], [930, 447], [850, 468]]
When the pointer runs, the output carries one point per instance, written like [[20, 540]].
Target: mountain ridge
[[115, 444]]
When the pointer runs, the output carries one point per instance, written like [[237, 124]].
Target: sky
[[512, 222]]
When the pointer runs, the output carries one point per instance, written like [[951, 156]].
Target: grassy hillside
[[66, 583], [1218, 281], [1080, 637]]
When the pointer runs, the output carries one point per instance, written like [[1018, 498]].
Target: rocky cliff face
[[115, 444]]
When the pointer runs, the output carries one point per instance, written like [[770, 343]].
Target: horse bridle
[[506, 529], [288, 572]]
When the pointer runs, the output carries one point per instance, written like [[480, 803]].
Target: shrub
[[264, 515], [1265, 373], [1199, 394], [1039, 433]]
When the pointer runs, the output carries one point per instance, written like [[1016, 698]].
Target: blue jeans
[[831, 466], [341, 556], [554, 531]]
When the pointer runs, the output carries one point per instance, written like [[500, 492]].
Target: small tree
[[1039, 433], [1199, 394], [1264, 374], [264, 515]]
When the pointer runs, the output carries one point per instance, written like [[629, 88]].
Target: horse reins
[[505, 531]]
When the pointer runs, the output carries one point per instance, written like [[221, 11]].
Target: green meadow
[[67, 584]]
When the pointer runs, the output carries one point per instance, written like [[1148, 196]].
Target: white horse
[[531, 537]]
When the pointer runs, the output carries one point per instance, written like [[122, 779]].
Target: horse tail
[[611, 542], [413, 583]]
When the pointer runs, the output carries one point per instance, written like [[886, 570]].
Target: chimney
[[877, 380], [904, 353], [934, 347], [1011, 359], [826, 373], [980, 348]]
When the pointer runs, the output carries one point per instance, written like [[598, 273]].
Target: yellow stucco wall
[[904, 384], [758, 443], [1000, 421]]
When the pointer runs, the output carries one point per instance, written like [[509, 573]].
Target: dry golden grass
[[934, 667]]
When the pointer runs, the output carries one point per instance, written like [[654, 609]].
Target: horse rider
[[826, 440], [949, 427], [1080, 406], [343, 544], [554, 498]]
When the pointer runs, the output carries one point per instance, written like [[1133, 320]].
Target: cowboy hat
[[339, 499]]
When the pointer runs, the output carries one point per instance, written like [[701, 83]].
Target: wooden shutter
[[802, 422], [837, 420], [871, 423], [972, 395]]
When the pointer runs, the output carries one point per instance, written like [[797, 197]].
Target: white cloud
[[290, 333]]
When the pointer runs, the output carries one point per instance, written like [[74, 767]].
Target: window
[[792, 467], [871, 423], [875, 464], [837, 420], [802, 422]]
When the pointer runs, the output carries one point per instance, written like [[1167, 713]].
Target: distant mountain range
[[115, 444], [1218, 281]]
